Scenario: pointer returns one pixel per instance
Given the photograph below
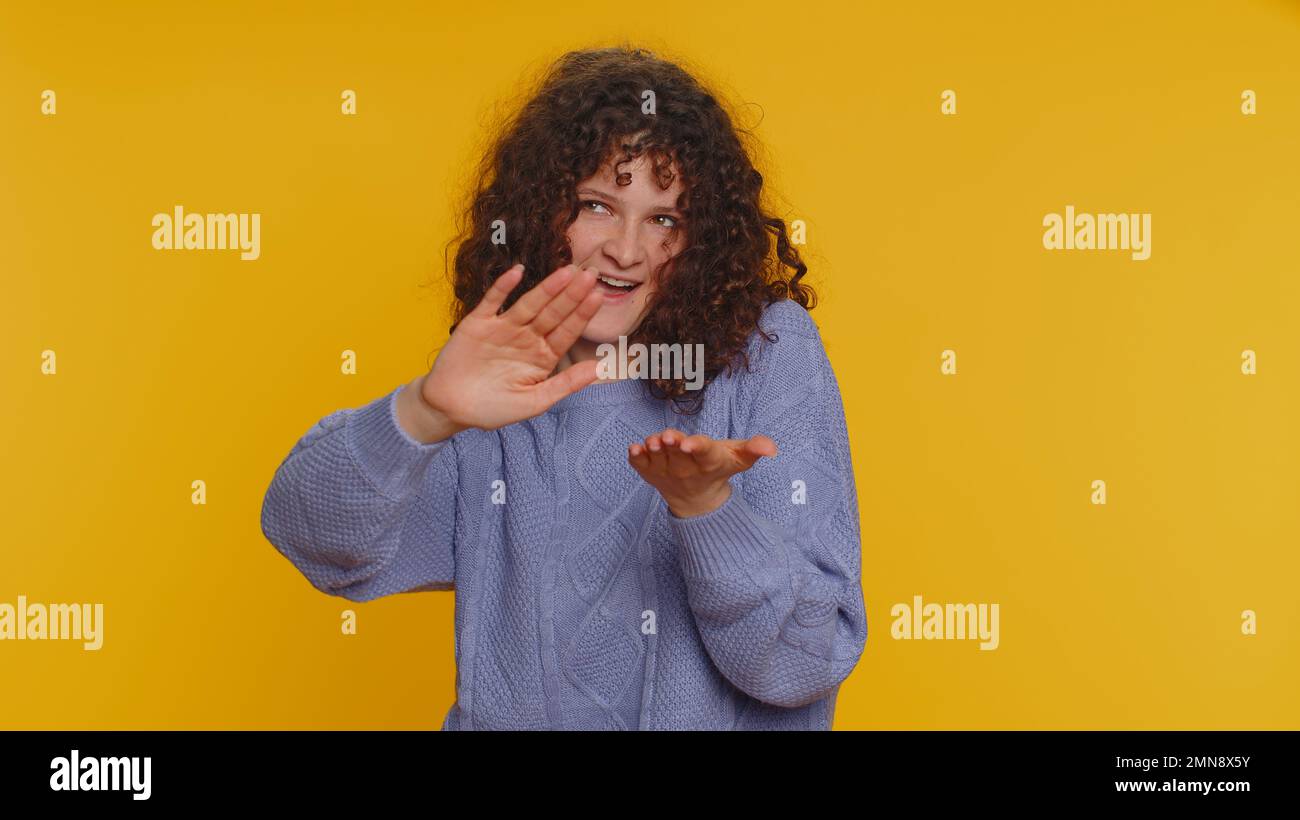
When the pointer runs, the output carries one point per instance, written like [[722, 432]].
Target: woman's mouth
[[615, 288]]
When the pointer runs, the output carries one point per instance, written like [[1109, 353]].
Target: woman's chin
[[605, 332]]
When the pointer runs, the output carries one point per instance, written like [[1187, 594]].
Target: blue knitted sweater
[[582, 602]]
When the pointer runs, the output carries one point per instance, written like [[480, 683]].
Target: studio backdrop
[[1056, 257]]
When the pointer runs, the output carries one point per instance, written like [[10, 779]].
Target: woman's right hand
[[496, 369]]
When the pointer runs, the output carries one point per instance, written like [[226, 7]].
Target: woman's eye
[[587, 202], [672, 220]]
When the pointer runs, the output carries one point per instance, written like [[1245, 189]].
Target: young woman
[[631, 552]]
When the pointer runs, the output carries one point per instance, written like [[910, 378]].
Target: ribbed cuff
[[387, 454], [726, 540]]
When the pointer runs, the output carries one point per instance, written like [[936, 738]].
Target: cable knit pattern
[[582, 602]]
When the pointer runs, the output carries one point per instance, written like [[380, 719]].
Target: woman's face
[[620, 232]]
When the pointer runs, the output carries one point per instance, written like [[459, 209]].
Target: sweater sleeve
[[364, 510], [773, 576]]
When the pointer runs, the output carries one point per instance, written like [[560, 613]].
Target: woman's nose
[[624, 245]]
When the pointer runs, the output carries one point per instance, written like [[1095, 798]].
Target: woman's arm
[[773, 574], [365, 503], [362, 508]]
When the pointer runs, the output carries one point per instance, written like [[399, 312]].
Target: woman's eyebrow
[[667, 206]]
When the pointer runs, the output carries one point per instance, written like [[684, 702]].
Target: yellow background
[[924, 234]]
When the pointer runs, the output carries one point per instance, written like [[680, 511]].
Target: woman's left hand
[[692, 472]]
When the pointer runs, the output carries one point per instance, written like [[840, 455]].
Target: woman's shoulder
[[786, 336], [789, 315], [785, 365], [783, 351]]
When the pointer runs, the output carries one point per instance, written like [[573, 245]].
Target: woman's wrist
[[421, 420], [700, 503]]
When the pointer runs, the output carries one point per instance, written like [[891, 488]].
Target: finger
[[637, 457], [672, 437], [568, 381], [563, 337], [708, 454], [559, 308], [491, 302], [695, 443], [658, 458], [531, 303]]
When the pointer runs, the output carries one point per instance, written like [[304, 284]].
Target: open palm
[[692, 473], [496, 367]]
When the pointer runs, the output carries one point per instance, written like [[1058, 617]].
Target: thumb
[[568, 381], [755, 448], [761, 445]]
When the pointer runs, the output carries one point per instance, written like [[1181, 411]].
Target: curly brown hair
[[587, 109]]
